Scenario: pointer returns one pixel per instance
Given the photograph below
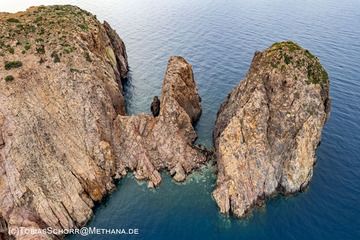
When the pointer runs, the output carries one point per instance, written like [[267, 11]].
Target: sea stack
[[269, 127], [148, 144]]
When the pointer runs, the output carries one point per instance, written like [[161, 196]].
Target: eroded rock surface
[[148, 144], [268, 129], [60, 92]]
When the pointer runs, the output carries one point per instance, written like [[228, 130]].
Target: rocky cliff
[[268, 129], [64, 135], [60, 91]]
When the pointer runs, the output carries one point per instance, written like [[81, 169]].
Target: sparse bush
[[12, 64], [27, 46], [40, 49], [69, 49], [84, 27], [42, 31], [9, 78], [11, 50], [287, 59], [13, 20], [38, 19]]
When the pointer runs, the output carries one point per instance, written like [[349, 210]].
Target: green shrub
[[27, 46], [11, 50], [9, 78], [84, 27], [12, 64], [13, 20], [38, 19], [68, 50], [287, 59], [40, 49], [42, 31]]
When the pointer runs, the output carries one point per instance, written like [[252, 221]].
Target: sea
[[219, 38]]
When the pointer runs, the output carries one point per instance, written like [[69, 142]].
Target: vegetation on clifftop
[[289, 54], [44, 30]]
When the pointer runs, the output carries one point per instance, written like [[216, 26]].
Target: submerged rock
[[148, 144], [56, 115], [268, 129]]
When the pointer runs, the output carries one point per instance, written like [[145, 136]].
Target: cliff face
[[147, 144], [58, 100], [64, 135], [268, 129]]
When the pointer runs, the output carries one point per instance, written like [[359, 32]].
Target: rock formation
[[58, 100], [64, 135], [147, 144], [268, 129]]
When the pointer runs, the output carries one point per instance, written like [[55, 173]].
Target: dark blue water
[[219, 38]]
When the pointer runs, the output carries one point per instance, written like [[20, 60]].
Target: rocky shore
[[268, 128]]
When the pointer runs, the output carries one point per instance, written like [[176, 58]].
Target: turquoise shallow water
[[219, 38]]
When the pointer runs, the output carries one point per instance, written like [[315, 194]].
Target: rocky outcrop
[[58, 100], [268, 129], [148, 144]]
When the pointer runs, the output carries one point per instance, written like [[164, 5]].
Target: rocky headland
[[64, 133], [269, 127]]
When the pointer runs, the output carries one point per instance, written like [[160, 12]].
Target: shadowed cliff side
[[268, 129]]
